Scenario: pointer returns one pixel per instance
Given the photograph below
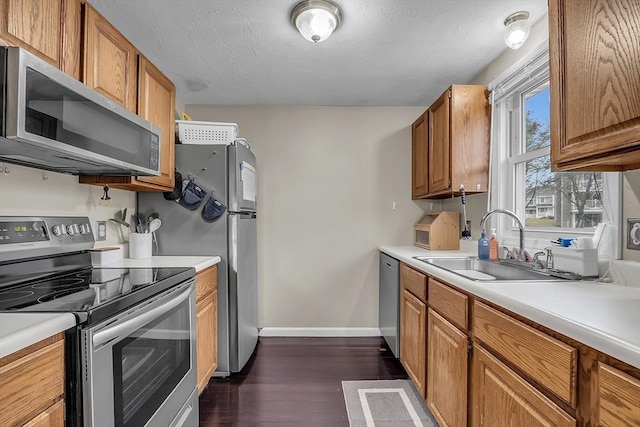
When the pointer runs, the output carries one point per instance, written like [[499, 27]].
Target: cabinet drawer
[[31, 384], [451, 304], [618, 398], [413, 281], [551, 363], [206, 282]]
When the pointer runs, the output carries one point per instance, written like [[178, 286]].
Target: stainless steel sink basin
[[484, 270]]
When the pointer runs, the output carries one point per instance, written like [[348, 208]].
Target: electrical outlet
[[633, 233], [101, 230]]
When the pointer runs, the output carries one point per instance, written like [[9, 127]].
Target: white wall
[[25, 191], [328, 177]]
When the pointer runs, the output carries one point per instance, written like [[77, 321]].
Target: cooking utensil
[[466, 233], [142, 224], [154, 225], [119, 221]]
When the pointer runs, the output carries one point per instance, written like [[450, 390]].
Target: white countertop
[[20, 330], [600, 315], [198, 262]]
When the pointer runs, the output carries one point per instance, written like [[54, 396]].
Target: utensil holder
[[140, 245]]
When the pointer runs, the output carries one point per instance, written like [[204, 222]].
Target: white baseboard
[[320, 332]]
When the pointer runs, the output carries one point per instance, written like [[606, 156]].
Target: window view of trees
[[567, 199]]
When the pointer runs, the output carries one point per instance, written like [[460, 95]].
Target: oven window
[[148, 365]]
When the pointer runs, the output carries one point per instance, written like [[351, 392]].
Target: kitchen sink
[[491, 271]]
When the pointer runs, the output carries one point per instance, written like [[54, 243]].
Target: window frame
[[526, 75]]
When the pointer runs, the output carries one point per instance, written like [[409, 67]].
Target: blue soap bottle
[[483, 246]]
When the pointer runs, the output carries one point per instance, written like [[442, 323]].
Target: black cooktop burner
[[93, 293]]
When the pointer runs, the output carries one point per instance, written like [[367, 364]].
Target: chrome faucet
[[520, 226], [537, 263]]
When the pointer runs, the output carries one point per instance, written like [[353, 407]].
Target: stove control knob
[[58, 230], [84, 229], [71, 230]]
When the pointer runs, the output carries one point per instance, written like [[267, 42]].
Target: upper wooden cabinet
[[115, 68], [456, 144], [156, 103], [49, 29], [419, 164], [595, 84], [110, 61]]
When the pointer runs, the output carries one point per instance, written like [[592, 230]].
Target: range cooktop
[[83, 290]]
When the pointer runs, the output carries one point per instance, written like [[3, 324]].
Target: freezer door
[[242, 179], [243, 289]]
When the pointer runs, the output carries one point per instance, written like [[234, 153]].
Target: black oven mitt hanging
[[212, 210], [192, 195], [177, 188]]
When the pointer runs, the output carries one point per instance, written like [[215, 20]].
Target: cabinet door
[[502, 398], [48, 29], [34, 25], [206, 339], [110, 61], [31, 381], [618, 398], [419, 159], [51, 417], [156, 103], [446, 372], [439, 145], [595, 84], [413, 339]]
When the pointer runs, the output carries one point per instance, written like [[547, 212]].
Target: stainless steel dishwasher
[[389, 306]]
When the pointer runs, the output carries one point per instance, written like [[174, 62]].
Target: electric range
[[130, 361]]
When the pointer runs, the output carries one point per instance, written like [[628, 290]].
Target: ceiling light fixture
[[316, 20], [517, 29]]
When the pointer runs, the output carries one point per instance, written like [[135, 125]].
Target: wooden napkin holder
[[438, 231]]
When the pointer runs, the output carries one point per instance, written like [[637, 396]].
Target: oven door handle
[[135, 323]]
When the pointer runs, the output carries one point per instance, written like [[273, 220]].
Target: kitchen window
[[549, 204]]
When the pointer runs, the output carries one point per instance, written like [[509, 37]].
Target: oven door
[[139, 368]]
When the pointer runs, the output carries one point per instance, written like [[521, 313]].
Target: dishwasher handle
[[130, 325]]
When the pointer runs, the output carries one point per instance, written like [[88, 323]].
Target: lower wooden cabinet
[[502, 398], [618, 398], [413, 338], [53, 416], [32, 385], [206, 325], [447, 367]]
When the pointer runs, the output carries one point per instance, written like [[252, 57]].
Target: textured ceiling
[[246, 52]]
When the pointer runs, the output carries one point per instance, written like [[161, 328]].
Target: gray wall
[[328, 178]]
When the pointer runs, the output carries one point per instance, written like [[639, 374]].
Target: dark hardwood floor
[[296, 382]]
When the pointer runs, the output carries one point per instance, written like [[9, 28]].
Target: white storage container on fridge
[[191, 132]]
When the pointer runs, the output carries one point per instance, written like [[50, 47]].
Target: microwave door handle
[[135, 323]]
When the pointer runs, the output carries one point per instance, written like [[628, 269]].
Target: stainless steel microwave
[[51, 121]]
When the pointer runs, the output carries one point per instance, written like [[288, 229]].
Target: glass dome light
[[316, 20], [517, 29]]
